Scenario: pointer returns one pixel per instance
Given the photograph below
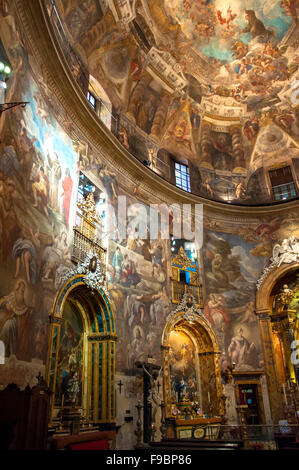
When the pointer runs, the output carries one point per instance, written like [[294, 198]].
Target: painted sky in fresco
[[50, 136], [217, 42]]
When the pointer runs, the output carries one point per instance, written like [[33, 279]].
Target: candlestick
[[209, 397]]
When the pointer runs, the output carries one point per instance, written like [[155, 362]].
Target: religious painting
[[182, 360], [138, 284], [229, 306], [76, 16], [226, 33], [70, 352], [17, 319], [222, 152], [145, 109]]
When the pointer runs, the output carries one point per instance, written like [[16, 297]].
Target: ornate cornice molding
[[38, 36]]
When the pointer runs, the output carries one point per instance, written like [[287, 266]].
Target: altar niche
[[191, 368], [81, 358]]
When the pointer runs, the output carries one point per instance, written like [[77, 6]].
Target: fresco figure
[[117, 261], [70, 388], [67, 185], [55, 254], [181, 389], [218, 317], [218, 271], [24, 252], [255, 26], [160, 306], [109, 182], [56, 172], [136, 347], [249, 316], [129, 275], [27, 151], [17, 324], [9, 162], [251, 127], [242, 353], [8, 218], [40, 189]]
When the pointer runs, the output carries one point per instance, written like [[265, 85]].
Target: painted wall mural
[[40, 163], [206, 82], [38, 183], [138, 278], [182, 357], [231, 274], [234, 258]]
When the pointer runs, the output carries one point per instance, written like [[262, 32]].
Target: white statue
[[287, 252]]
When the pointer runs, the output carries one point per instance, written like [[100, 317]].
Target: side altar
[[192, 386], [189, 422]]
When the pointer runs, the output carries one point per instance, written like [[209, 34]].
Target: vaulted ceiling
[[201, 79]]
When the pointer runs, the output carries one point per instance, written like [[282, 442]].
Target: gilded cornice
[[40, 41]]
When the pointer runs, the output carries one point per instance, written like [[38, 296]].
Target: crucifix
[[120, 384], [150, 374]]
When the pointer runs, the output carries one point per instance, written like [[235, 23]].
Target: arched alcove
[[81, 358], [277, 327], [263, 297], [202, 374]]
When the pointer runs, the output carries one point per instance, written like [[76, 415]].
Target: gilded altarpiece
[[81, 359], [195, 366]]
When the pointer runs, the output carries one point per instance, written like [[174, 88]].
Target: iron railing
[[257, 432], [82, 245]]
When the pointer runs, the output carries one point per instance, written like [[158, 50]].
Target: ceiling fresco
[[213, 83], [224, 30]]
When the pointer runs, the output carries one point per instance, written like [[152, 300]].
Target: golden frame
[[98, 349], [202, 335]]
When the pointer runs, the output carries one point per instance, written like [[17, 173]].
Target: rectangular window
[[91, 99], [282, 183], [182, 177], [284, 191]]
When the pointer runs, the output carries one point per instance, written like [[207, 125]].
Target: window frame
[[182, 178], [90, 95]]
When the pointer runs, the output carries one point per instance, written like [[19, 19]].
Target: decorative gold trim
[[194, 331], [104, 338]]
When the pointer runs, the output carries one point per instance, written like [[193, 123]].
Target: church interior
[[149, 225]]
